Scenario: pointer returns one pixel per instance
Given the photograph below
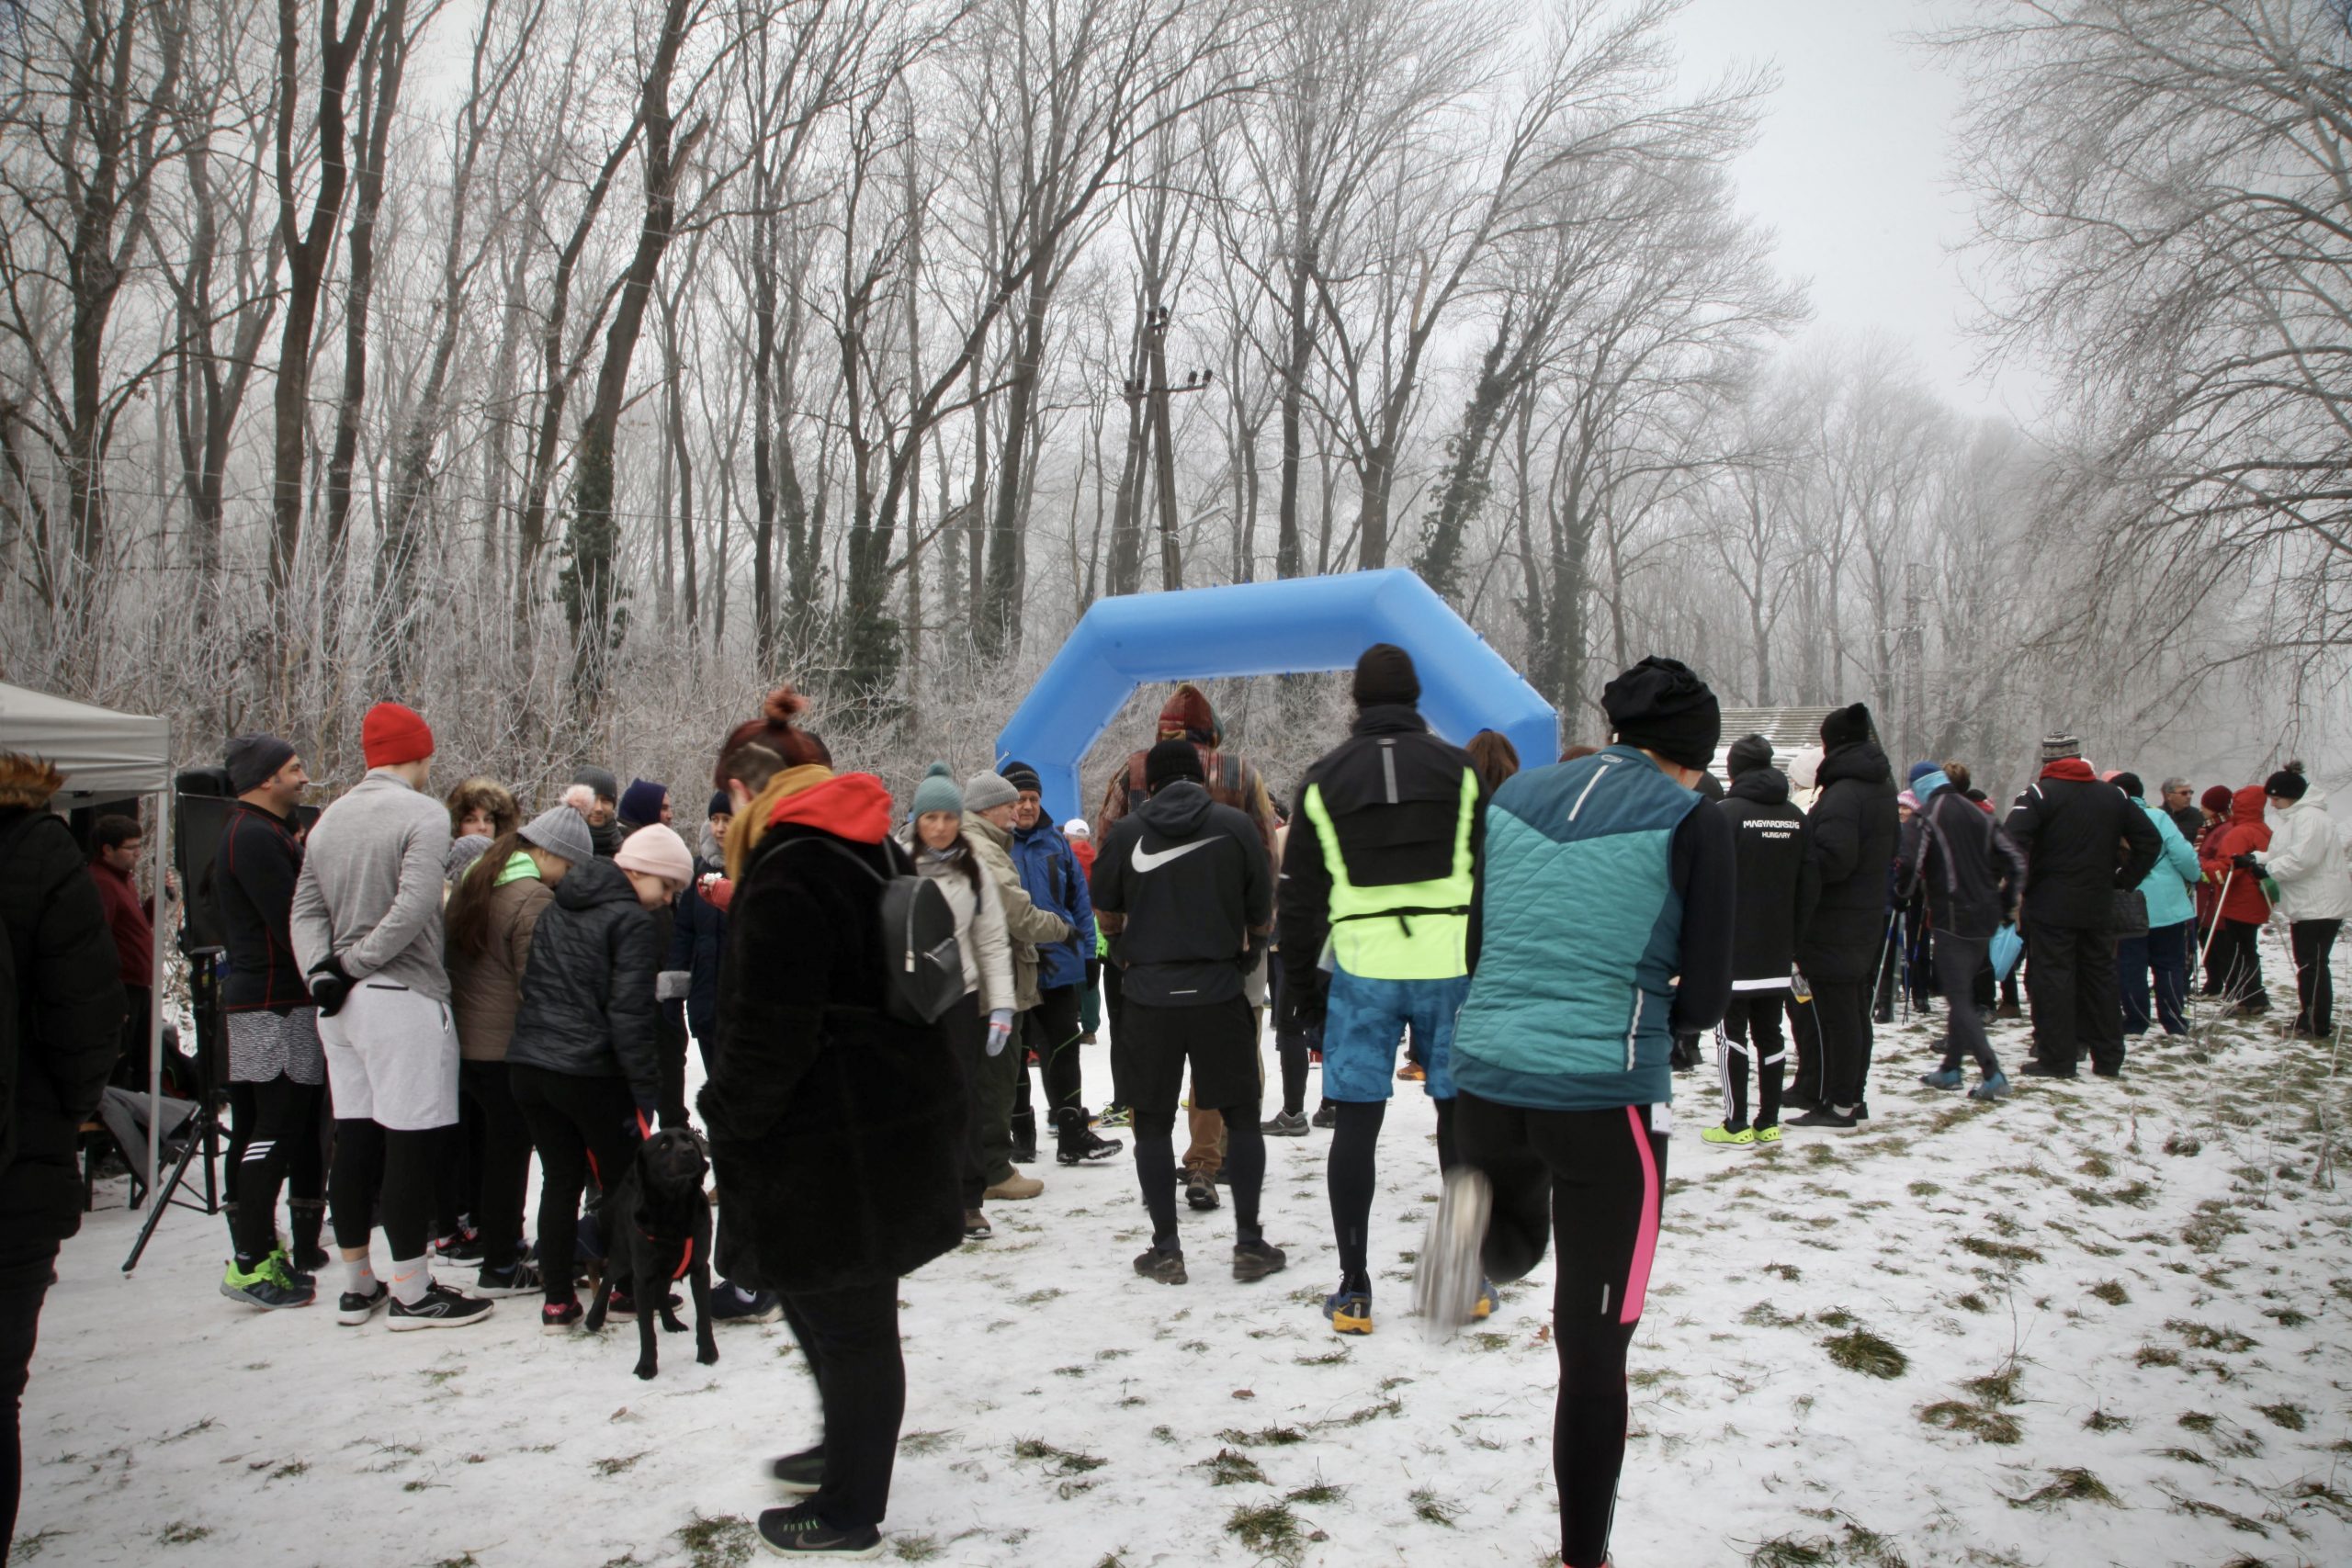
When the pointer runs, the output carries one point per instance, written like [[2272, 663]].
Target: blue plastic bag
[[2007, 948]]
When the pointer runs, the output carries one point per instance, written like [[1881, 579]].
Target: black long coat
[[1852, 833], [835, 1130]]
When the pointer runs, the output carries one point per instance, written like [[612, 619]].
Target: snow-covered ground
[[2104, 1323]]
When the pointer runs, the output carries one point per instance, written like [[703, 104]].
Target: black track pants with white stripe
[[1752, 1027], [285, 1112]]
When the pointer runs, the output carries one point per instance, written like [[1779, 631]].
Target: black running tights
[[1594, 1181], [579, 1125], [284, 1136], [1350, 1174], [374, 1162], [1245, 1169]]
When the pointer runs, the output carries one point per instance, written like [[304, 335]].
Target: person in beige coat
[[989, 803], [982, 1026], [492, 911]]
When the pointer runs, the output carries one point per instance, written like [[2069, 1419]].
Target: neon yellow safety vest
[[1406, 930]]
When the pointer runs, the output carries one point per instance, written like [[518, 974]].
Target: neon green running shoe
[[266, 1285], [1724, 1136], [1767, 1134]]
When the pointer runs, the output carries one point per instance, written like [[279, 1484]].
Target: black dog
[[657, 1221]]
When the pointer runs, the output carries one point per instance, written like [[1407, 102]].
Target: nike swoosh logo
[[1145, 861]]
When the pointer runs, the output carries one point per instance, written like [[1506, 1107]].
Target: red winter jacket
[[2245, 831]]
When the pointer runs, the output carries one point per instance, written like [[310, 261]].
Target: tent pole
[[163, 842]]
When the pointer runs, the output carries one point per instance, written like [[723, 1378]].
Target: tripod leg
[[162, 1199]]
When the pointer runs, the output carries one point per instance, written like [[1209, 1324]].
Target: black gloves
[[330, 983], [2246, 861]]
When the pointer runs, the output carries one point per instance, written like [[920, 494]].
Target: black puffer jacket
[[253, 873], [68, 1006], [835, 1130], [2085, 841], [588, 991], [1778, 884], [1853, 827]]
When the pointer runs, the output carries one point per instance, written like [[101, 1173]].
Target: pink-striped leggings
[[1595, 1179]]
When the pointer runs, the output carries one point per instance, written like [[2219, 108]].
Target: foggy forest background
[[574, 371]]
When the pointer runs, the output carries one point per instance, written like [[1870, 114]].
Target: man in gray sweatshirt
[[367, 930]]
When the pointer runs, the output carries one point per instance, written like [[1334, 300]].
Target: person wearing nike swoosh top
[[1375, 888], [1602, 881], [1184, 888]]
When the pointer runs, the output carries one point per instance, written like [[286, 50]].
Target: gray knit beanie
[[562, 832], [985, 791], [936, 792]]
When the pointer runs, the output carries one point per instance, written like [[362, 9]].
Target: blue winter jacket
[[1579, 932], [1051, 876], [698, 936], [2168, 887]]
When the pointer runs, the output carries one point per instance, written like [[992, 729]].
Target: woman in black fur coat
[[835, 1129]]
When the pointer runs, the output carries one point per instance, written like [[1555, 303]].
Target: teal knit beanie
[[938, 792]]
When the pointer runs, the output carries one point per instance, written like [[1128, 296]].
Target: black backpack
[[924, 975]]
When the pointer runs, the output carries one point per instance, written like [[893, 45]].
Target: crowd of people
[[424, 994]]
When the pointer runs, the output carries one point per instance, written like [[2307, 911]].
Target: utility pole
[[1915, 637], [1153, 386]]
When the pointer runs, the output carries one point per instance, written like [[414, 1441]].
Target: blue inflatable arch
[[1266, 628]]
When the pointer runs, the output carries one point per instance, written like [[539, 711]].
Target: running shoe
[[1723, 1136], [354, 1309], [732, 1303], [266, 1284], [798, 1532], [1168, 1267], [1944, 1077], [1768, 1134], [518, 1279], [1253, 1260], [1350, 1310], [1286, 1125], [802, 1472], [559, 1317], [439, 1307]]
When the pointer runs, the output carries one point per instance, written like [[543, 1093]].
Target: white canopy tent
[[106, 755]]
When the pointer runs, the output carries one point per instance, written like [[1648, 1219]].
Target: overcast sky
[[1853, 172]]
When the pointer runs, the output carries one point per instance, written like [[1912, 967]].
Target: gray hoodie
[[371, 885]]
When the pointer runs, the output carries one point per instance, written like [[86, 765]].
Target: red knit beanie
[[391, 734]]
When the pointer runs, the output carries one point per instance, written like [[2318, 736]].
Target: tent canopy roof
[[102, 753]]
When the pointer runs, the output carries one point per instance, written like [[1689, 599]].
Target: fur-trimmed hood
[[27, 781]]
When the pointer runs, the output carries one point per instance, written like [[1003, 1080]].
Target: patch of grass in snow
[[1267, 1528], [1835, 1318], [1320, 1492], [2182, 1144], [1787, 1551], [290, 1470], [2186, 1456], [1264, 1438], [1039, 1298], [923, 1442], [2157, 1356], [2097, 1165], [2100, 1421], [2286, 1317], [719, 1541], [1986, 1426], [1063, 1461], [2071, 1484], [179, 1532], [1923, 1189], [1764, 1314], [2290, 1416], [1860, 1350], [1487, 1339], [1333, 1357], [915, 1547], [1226, 1468], [28, 1547], [204, 1426], [2204, 1336], [1431, 1509], [2213, 1224], [1389, 1406], [2112, 1292], [1788, 1271], [1999, 1251]]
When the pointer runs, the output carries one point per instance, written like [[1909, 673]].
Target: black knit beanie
[[2288, 783], [1386, 675], [1748, 753], [1169, 761], [1661, 706], [254, 759], [1846, 726], [2130, 785]]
